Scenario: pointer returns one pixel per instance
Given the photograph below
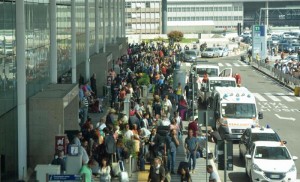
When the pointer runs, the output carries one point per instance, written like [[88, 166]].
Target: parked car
[[211, 52], [190, 56], [223, 51], [254, 134], [270, 161], [286, 47]]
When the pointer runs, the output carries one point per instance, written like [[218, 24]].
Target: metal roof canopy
[[291, 10]]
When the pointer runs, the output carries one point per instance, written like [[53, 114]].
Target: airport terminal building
[[200, 16], [45, 46]]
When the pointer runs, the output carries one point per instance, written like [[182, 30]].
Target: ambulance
[[234, 110]]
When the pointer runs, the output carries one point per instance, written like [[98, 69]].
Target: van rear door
[[227, 72]]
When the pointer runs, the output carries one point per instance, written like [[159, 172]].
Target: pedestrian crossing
[[276, 97], [239, 64]]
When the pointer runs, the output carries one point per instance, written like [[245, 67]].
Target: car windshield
[[265, 137], [272, 153], [235, 110], [209, 49], [209, 71], [190, 53], [221, 83]]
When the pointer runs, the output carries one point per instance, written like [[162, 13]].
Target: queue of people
[[152, 130]]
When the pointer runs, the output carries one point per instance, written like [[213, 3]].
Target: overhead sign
[[66, 177], [259, 42]]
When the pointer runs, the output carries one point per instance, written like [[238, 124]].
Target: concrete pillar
[[21, 91], [73, 41], [118, 18], [123, 19], [114, 21], [109, 22], [104, 24], [267, 15], [87, 40], [164, 11], [53, 43], [97, 26]]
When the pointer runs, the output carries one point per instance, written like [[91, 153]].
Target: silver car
[[211, 52]]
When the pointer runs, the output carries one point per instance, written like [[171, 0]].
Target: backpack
[[110, 144]]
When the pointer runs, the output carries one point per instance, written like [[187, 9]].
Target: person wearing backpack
[[110, 145]]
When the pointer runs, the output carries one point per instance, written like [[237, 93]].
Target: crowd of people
[[152, 130]]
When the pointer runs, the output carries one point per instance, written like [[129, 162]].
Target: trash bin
[[296, 91]]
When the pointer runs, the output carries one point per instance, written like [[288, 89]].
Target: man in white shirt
[[165, 121], [128, 133]]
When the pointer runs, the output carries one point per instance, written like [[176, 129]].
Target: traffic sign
[[64, 177]]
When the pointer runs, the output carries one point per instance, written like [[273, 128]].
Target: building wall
[[37, 58], [143, 17], [224, 16]]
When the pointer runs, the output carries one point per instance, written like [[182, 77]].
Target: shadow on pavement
[[238, 177], [238, 162]]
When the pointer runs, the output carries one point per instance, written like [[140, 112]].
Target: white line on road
[[259, 97], [287, 98], [236, 64], [274, 98], [293, 94], [293, 119], [228, 64], [220, 64]]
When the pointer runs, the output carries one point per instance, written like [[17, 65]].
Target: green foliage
[[144, 80], [130, 146], [175, 35]]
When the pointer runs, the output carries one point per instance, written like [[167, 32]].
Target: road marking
[[236, 64], [293, 94], [259, 97], [274, 98], [293, 119], [227, 64], [220, 64], [244, 64], [287, 98]]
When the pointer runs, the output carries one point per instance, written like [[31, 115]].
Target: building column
[[104, 25], [109, 22], [21, 91], [87, 41], [53, 42], [97, 26], [114, 21], [73, 41], [123, 19], [164, 16], [267, 15], [118, 18]]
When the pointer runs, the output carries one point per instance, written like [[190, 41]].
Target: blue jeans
[[192, 156], [171, 160]]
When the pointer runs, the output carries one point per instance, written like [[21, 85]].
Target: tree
[[175, 36]]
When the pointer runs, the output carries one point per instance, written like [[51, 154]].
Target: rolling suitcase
[[181, 166], [123, 176]]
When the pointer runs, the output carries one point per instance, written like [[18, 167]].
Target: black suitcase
[[181, 166]]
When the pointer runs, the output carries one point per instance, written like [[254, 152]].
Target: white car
[[223, 51], [270, 161]]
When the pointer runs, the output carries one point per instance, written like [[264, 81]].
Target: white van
[[234, 110], [213, 82]]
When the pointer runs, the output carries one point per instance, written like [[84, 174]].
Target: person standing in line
[[157, 171], [171, 145], [86, 169], [178, 92], [191, 146], [212, 174], [93, 84]]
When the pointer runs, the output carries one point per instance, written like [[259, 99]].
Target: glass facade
[[37, 55]]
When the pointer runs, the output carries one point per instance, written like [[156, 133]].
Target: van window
[[210, 71], [235, 110], [221, 83]]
